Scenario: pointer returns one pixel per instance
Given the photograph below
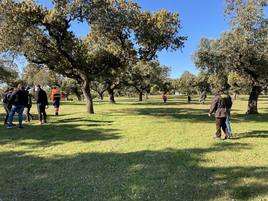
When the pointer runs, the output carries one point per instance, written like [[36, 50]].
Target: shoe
[[9, 127], [20, 127], [225, 138]]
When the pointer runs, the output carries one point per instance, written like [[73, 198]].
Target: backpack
[[6, 98]]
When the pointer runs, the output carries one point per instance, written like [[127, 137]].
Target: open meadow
[[142, 151]]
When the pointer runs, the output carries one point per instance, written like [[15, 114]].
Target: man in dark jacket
[[42, 104], [29, 105], [218, 107], [18, 100], [6, 103]]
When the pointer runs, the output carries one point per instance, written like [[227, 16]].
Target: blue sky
[[199, 18]]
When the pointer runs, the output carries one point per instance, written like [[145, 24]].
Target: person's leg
[[228, 125], [7, 113], [20, 114], [218, 127], [224, 127], [11, 116], [27, 114], [39, 106], [43, 113]]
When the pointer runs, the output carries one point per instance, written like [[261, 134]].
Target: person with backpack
[[6, 103], [42, 104], [56, 97], [29, 105], [218, 107], [18, 100]]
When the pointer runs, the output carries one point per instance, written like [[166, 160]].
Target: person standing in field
[[18, 100], [56, 97], [6, 103], [29, 105], [229, 104], [164, 96], [203, 97], [218, 107], [42, 104]]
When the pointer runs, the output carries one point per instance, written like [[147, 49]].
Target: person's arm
[[213, 106]]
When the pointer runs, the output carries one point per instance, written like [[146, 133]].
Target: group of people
[[18, 99]]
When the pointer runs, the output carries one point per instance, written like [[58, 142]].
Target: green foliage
[[34, 74], [186, 84]]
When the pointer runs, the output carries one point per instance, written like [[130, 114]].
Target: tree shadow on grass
[[181, 114], [169, 175], [59, 132], [254, 134], [193, 115]]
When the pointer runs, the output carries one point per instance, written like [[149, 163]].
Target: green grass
[[136, 151]]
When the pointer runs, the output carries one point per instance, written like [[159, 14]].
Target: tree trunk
[[147, 96], [87, 94], [101, 96], [253, 100], [140, 96], [111, 95]]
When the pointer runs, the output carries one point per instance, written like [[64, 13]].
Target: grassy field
[[136, 151]]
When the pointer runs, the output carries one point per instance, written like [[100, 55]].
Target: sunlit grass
[[136, 151]]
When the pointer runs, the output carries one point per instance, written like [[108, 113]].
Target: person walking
[[29, 105], [42, 104], [18, 100], [203, 97], [229, 104], [56, 97], [218, 107], [6, 103], [164, 96]]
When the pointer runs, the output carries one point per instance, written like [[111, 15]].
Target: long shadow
[[182, 114], [165, 175], [59, 132], [254, 134], [193, 115]]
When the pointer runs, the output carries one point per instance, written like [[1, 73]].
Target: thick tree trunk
[[111, 95], [253, 100], [140, 96], [88, 97]]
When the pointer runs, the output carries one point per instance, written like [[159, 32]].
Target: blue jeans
[[16, 109], [228, 125]]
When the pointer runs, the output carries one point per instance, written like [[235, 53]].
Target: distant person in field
[[218, 107], [18, 100], [56, 97], [229, 105], [6, 103], [164, 97], [29, 105], [189, 99], [42, 104], [203, 97]]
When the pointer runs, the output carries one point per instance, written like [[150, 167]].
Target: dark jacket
[[41, 97], [229, 104], [19, 97], [218, 106]]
